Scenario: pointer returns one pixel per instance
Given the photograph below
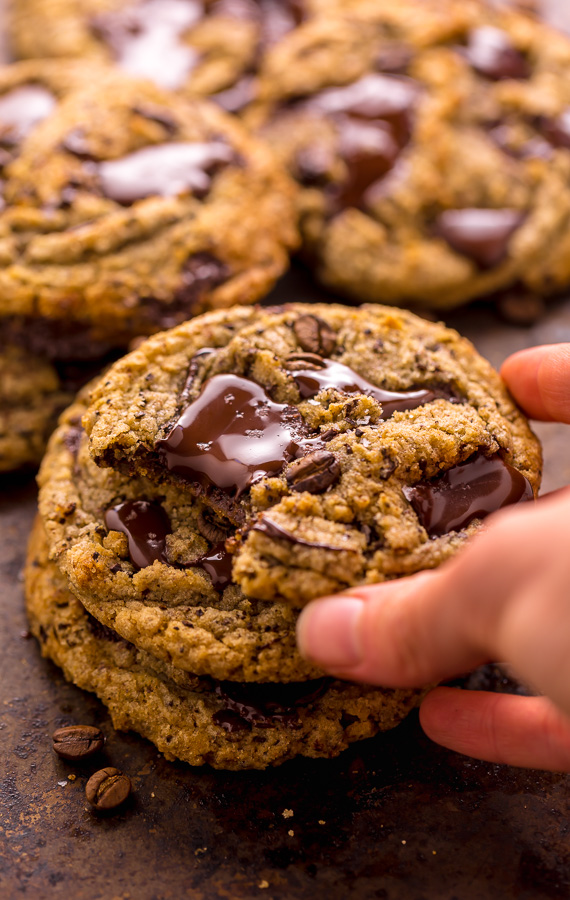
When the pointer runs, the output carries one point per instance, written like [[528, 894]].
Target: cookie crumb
[[71, 777], [403, 842], [287, 813], [291, 833], [263, 884], [322, 822]]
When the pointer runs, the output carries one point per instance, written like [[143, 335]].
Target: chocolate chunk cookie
[[326, 446], [431, 141], [149, 209], [31, 398], [199, 720], [149, 562], [205, 47]]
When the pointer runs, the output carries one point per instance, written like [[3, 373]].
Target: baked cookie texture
[[150, 209], [432, 145], [366, 417], [204, 47], [31, 398], [194, 719], [183, 607]]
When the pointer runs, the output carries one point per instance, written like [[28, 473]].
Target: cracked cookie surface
[[432, 145], [329, 446], [196, 719]]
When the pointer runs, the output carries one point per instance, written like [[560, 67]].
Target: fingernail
[[328, 632]]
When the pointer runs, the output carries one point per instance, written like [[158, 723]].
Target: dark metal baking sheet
[[395, 817]]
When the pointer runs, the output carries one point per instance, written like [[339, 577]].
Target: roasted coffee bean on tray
[[108, 788], [77, 742]]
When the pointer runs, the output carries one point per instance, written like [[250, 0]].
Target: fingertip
[[539, 380]]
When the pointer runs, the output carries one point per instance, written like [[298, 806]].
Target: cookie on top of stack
[[228, 471], [432, 145], [125, 211]]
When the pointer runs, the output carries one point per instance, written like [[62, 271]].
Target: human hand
[[505, 597]]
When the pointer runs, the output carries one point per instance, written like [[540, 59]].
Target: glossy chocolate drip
[[164, 170], [491, 53], [311, 381], [469, 491], [218, 565], [373, 118], [146, 39], [146, 525], [231, 436], [22, 109], [202, 273], [481, 234], [267, 705]]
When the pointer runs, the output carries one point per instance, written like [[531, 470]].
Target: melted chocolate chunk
[[268, 705], [146, 525], [231, 436], [557, 130], [146, 39], [374, 120], [394, 59], [481, 234], [369, 151], [469, 491], [311, 381], [491, 53], [22, 109], [218, 565], [72, 439], [202, 273], [271, 529], [164, 170], [230, 721], [239, 96], [373, 97]]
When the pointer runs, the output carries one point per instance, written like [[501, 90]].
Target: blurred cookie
[[431, 141], [31, 398], [149, 209], [198, 720], [328, 446], [205, 47]]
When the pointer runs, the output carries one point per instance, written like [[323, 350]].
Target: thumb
[[539, 380]]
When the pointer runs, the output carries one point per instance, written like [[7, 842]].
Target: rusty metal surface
[[395, 817]]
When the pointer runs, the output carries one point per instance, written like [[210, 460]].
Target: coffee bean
[[304, 361], [314, 473], [213, 528], [77, 741], [108, 788], [520, 307], [314, 335]]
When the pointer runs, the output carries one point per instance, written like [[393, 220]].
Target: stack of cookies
[[230, 470]]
